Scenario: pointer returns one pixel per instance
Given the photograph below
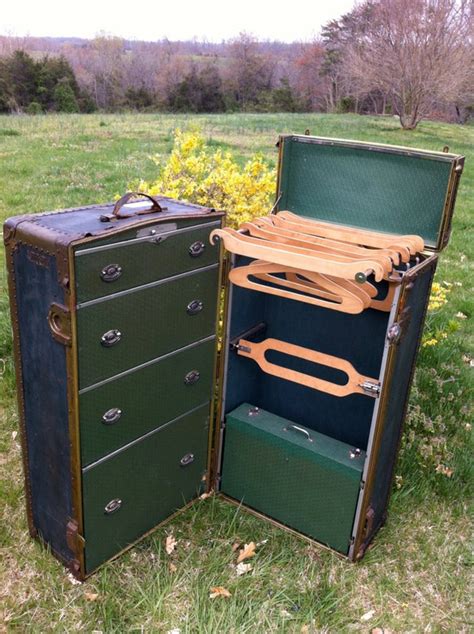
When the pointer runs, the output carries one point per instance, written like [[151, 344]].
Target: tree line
[[410, 58]]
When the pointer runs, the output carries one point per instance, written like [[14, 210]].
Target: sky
[[212, 20]]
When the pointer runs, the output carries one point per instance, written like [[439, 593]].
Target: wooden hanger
[[318, 290], [415, 244], [339, 254], [345, 247], [355, 381], [364, 291], [296, 257]]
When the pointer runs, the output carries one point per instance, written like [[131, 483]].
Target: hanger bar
[[356, 383]]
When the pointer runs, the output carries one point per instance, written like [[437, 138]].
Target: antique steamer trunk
[[115, 327]]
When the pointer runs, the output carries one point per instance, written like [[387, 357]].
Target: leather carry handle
[[116, 215]]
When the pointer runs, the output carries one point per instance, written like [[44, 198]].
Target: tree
[[416, 52], [64, 97], [250, 71]]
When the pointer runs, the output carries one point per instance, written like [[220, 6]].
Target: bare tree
[[416, 52]]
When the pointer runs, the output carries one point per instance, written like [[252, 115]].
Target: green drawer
[[138, 402], [303, 479], [130, 492], [105, 269], [125, 330]]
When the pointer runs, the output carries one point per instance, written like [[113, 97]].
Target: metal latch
[[371, 388]]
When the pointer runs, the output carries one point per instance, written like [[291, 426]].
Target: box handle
[[116, 215], [300, 430]]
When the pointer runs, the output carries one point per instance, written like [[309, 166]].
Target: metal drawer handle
[[197, 249], [192, 377], [110, 338], [194, 307], [111, 416], [111, 272], [299, 430], [113, 506], [187, 459]]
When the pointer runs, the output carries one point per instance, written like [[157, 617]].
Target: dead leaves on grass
[[247, 551], [219, 591], [170, 544]]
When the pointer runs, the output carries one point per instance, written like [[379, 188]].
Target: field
[[415, 578]]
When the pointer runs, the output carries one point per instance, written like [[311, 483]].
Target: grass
[[415, 578]]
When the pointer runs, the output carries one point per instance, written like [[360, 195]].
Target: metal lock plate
[[196, 249], [111, 416], [194, 307], [113, 506], [110, 338], [111, 272], [192, 377]]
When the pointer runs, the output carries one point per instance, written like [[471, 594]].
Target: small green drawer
[[303, 479], [130, 492], [123, 331], [174, 248], [138, 402]]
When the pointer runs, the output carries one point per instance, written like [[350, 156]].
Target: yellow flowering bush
[[195, 173], [438, 295]]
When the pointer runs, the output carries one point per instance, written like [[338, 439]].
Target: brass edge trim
[[302, 536], [9, 250], [387, 147], [449, 203], [73, 406], [216, 406], [218, 432], [379, 425], [281, 143]]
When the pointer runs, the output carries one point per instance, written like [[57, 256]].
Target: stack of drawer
[[146, 324]]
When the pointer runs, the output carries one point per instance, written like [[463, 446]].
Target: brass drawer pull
[[112, 416], [192, 377], [197, 249], [194, 307], [111, 272], [299, 430], [110, 338], [113, 506], [187, 460]]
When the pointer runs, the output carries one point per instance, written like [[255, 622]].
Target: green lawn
[[416, 576]]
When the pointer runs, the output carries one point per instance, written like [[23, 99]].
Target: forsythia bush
[[199, 175]]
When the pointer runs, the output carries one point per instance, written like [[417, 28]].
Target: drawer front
[[130, 406], [104, 270], [130, 492], [126, 330]]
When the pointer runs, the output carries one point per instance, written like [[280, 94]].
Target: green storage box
[[301, 478]]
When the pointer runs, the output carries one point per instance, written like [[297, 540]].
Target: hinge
[[74, 539], [371, 388], [59, 320]]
